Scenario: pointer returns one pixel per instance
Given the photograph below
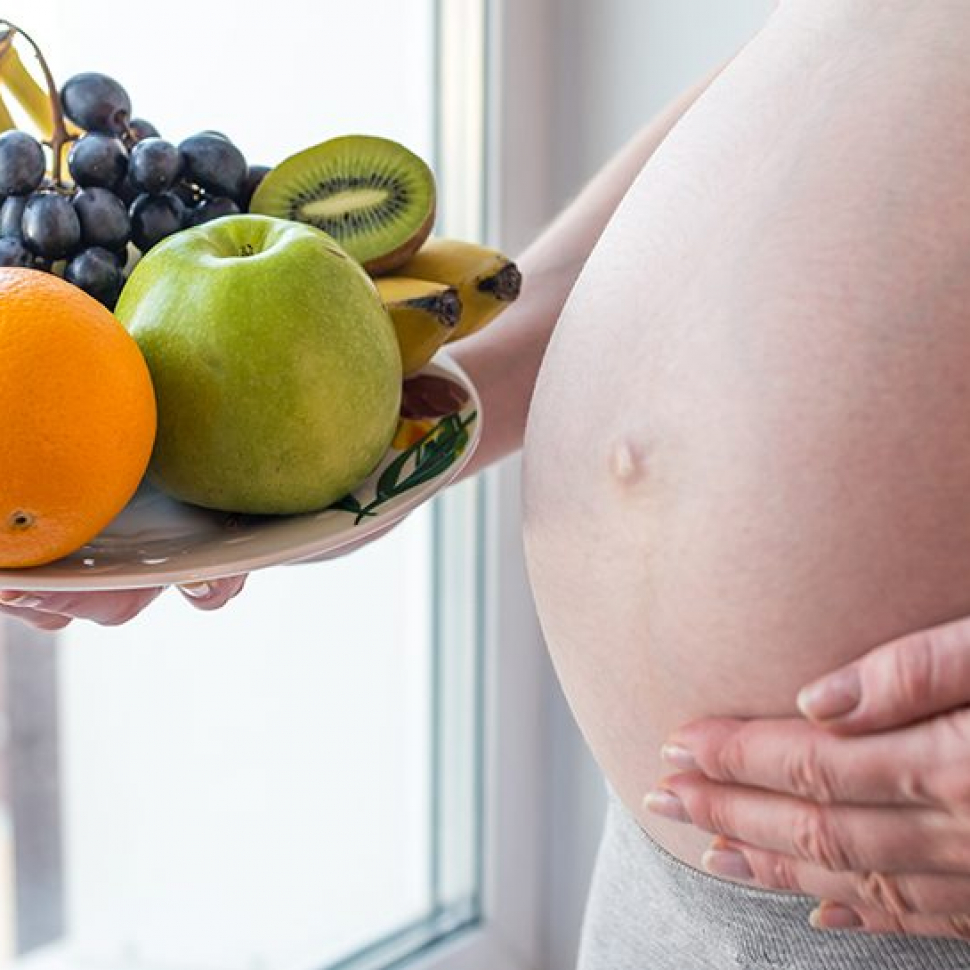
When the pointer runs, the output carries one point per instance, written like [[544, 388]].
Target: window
[[294, 781]]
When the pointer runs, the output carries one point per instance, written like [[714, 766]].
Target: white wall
[[617, 62], [275, 78], [609, 67]]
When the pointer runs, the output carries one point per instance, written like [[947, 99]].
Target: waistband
[[647, 910]]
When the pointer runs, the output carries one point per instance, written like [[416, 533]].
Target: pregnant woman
[[747, 459], [764, 373]]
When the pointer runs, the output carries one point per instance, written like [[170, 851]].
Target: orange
[[77, 418]]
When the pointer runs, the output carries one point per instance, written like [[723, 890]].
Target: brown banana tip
[[505, 285], [450, 308], [446, 306]]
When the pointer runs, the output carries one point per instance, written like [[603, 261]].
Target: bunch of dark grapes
[[129, 188]]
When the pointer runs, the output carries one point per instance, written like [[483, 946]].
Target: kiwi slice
[[376, 198]]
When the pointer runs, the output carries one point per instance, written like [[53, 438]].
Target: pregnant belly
[[748, 457]]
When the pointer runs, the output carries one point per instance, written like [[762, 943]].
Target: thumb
[[906, 680]]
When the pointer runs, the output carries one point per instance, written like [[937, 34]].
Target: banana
[[26, 89], [6, 119], [487, 281], [424, 315]]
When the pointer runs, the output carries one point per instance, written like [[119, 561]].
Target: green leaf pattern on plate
[[426, 459]]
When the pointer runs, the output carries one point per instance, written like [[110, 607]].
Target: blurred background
[[368, 762]]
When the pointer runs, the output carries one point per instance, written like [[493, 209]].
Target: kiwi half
[[373, 195]]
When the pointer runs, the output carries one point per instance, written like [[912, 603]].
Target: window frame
[[521, 693]]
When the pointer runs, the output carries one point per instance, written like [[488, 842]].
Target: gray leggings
[[649, 911]]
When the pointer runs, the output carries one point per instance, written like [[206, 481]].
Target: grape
[[153, 217], [22, 163], [98, 273], [212, 208], [14, 253], [98, 160], [215, 164], [50, 225], [96, 103], [12, 217], [254, 176], [139, 129], [126, 191], [103, 217], [155, 165]]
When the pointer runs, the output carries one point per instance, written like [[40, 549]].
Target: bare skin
[[746, 460]]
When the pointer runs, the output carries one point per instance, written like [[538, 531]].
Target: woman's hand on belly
[[867, 808]]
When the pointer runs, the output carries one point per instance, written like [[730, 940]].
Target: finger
[[896, 894], [831, 915], [903, 681], [902, 767], [40, 621], [106, 607], [214, 593], [841, 838]]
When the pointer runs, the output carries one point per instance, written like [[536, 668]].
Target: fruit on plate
[[275, 364], [486, 280], [373, 195], [424, 316], [78, 414]]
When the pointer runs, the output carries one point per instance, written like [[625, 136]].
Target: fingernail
[[666, 803], [25, 600], [832, 916], [727, 863], [678, 756], [831, 697], [197, 591]]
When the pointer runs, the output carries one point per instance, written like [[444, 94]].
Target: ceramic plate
[[156, 540]]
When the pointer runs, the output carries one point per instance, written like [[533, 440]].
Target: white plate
[[156, 541]]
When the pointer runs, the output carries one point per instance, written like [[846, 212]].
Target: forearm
[[503, 360]]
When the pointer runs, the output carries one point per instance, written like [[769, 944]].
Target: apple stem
[[59, 135]]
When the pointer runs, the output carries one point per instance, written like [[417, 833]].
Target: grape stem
[[59, 136]]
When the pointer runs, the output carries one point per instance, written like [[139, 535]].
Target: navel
[[626, 461]]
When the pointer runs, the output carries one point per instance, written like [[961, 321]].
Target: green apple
[[276, 367]]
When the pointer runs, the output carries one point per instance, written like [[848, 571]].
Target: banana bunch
[[447, 290], [487, 281], [18, 82]]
